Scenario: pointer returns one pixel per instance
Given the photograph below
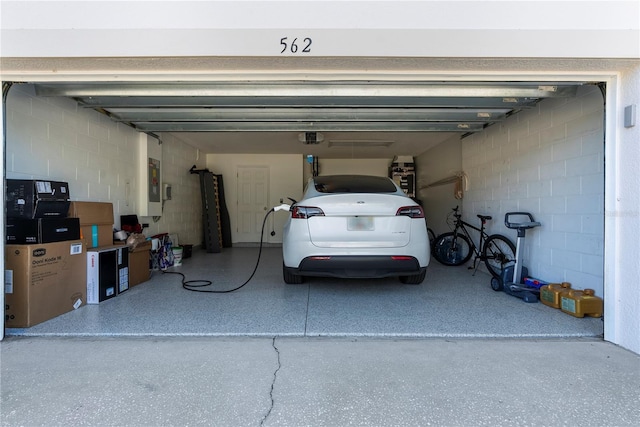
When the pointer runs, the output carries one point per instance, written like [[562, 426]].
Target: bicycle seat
[[485, 217]]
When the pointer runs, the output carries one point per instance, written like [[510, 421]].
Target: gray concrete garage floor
[[330, 352], [450, 303]]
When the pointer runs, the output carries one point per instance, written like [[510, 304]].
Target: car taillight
[[304, 212], [411, 211]]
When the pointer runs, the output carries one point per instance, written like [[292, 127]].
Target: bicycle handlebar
[[520, 225]]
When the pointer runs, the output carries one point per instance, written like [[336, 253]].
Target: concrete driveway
[[283, 381]]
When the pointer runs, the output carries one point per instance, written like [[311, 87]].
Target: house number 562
[[294, 46]]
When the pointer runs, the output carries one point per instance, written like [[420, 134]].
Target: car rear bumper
[[359, 266]]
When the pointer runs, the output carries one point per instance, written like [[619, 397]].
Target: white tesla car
[[355, 226]]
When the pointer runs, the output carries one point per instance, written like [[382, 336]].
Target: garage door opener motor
[[511, 279]]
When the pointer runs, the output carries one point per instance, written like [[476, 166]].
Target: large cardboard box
[[96, 222], [27, 198], [107, 272], [42, 230], [92, 212], [43, 281], [139, 270]]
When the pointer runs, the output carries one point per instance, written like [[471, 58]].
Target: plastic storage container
[[581, 303], [550, 294], [177, 256], [532, 282]]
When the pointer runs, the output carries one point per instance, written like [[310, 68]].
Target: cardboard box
[[107, 272], [92, 212], [43, 281], [96, 222], [96, 235], [42, 230], [139, 270], [26, 198]]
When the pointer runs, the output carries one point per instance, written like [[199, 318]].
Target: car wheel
[[289, 277], [414, 279]]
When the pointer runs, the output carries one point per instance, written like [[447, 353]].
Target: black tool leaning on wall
[[511, 280], [215, 217]]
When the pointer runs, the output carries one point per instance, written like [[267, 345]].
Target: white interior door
[[253, 197]]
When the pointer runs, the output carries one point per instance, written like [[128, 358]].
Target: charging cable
[[198, 285]]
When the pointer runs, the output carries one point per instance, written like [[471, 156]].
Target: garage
[[544, 152], [463, 148]]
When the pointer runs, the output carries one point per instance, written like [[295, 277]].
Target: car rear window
[[354, 184]]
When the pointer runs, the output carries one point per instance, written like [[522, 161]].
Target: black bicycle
[[457, 247], [432, 236]]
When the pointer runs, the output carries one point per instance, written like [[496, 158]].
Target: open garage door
[[355, 118]]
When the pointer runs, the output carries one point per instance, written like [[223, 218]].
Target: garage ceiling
[[333, 119]]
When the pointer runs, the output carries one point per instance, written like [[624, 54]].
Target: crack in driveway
[[273, 382]]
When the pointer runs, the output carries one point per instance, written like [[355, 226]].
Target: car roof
[[338, 184]]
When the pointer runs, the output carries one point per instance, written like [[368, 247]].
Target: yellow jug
[[581, 303], [550, 294]]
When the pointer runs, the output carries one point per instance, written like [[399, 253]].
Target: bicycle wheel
[[451, 250], [432, 236], [498, 252]]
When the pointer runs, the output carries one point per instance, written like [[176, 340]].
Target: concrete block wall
[[439, 163], [54, 138], [548, 161], [182, 215]]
